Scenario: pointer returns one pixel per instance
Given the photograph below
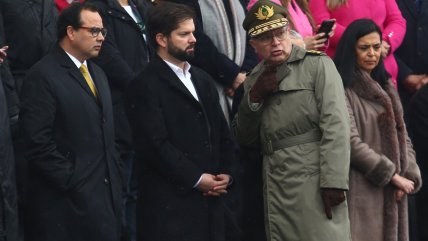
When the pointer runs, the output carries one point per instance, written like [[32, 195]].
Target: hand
[[220, 188], [229, 92], [403, 183], [399, 194], [331, 33], [207, 182], [3, 53], [265, 85], [414, 82], [240, 78], [211, 185], [331, 197], [315, 42], [385, 48]]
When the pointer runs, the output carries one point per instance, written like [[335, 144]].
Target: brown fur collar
[[394, 146]]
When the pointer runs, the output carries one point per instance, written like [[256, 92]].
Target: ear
[[161, 40], [71, 32]]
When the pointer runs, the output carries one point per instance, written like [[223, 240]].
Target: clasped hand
[[403, 185], [213, 185]]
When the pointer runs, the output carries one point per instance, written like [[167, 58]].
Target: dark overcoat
[[30, 31], [123, 56], [74, 175], [418, 125], [8, 196], [177, 139], [412, 55]]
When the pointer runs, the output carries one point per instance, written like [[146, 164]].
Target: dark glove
[[265, 85], [331, 197]]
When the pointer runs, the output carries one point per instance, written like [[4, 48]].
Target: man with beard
[[182, 142]]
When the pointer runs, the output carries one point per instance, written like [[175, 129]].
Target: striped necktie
[[85, 73]]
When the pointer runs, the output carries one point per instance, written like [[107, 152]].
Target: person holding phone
[[301, 21], [385, 13]]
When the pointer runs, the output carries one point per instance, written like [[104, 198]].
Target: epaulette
[[315, 52]]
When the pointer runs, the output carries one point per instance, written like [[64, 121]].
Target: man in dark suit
[[412, 56], [182, 142], [8, 195], [412, 59], [418, 122], [67, 122]]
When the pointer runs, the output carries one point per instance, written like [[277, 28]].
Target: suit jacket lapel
[[171, 78], [74, 72], [101, 91], [197, 82]]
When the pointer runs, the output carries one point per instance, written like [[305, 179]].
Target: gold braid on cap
[[277, 23]]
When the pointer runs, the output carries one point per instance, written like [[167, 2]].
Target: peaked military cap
[[264, 16]]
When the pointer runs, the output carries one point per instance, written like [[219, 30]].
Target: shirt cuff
[[197, 183]]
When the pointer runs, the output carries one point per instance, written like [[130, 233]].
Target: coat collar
[[72, 70], [391, 122], [167, 74]]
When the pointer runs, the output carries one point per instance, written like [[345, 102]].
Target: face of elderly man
[[274, 46]]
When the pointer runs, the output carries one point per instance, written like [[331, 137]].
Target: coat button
[[207, 144], [106, 181]]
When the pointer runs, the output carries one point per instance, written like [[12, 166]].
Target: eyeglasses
[[96, 31], [266, 38]]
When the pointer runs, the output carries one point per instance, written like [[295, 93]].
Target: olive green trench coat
[[303, 131]]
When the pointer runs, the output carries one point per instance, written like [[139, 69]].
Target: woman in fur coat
[[383, 167]]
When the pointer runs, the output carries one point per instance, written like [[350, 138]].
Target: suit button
[[106, 181]]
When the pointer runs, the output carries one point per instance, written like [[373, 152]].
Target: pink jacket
[[300, 20], [383, 12]]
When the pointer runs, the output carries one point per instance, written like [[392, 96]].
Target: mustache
[[192, 46]]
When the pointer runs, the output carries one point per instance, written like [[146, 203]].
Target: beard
[[182, 55]]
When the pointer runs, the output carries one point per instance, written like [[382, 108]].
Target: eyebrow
[[369, 44]]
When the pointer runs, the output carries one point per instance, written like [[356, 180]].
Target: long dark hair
[[346, 59]]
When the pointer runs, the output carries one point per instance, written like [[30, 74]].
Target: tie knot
[[83, 69]]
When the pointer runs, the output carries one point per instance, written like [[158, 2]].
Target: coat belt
[[269, 146]]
